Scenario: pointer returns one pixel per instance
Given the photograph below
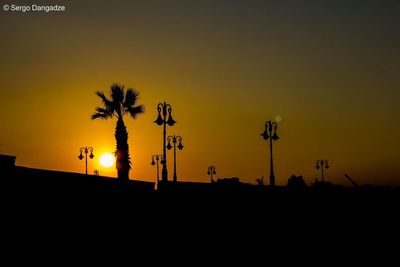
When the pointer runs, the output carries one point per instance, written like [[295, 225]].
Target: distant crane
[[351, 180]]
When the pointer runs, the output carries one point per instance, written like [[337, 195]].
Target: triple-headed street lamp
[[211, 170], [164, 109], [270, 133], [154, 159], [174, 139], [323, 164], [86, 151]]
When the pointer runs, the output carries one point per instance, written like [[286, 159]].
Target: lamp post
[[323, 164], [163, 109], [211, 170], [86, 151], [157, 158], [174, 139], [270, 133]]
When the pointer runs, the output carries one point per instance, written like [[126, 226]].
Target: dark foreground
[[62, 213], [49, 191]]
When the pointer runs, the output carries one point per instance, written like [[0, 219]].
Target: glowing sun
[[106, 160]]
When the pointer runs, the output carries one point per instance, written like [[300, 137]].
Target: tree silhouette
[[120, 104]]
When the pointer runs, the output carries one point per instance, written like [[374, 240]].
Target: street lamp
[[163, 109], [323, 164], [157, 158], [86, 151], [211, 171], [174, 139], [270, 133]]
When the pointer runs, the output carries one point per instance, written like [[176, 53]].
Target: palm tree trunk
[[123, 163]]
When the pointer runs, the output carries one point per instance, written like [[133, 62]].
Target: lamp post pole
[[323, 164], [174, 139], [157, 158], [211, 170], [271, 134], [164, 109], [86, 151]]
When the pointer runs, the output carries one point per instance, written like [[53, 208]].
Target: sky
[[328, 71]]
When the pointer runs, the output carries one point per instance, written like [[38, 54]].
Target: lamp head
[[169, 146], [180, 146], [159, 121], [80, 157], [170, 120], [275, 136], [265, 135]]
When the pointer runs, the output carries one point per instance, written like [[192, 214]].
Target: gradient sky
[[328, 69]]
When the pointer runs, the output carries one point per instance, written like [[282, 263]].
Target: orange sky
[[329, 70]]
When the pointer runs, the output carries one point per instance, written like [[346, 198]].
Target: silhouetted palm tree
[[118, 106]]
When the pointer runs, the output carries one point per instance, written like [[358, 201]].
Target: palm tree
[[120, 104]]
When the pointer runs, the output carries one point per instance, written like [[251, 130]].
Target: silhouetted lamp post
[[157, 158], [323, 164], [211, 171], [270, 133], [164, 109], [86, 151], [174, 139]]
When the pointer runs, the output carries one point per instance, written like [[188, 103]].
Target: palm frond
[[131, 97], [98, 115], [104, 99], [117, 94], [102, 113], [119, 103], [135, 111]]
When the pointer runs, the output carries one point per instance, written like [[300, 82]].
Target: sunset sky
[[330, 70]]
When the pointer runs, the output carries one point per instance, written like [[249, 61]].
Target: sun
[[106, 160]]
